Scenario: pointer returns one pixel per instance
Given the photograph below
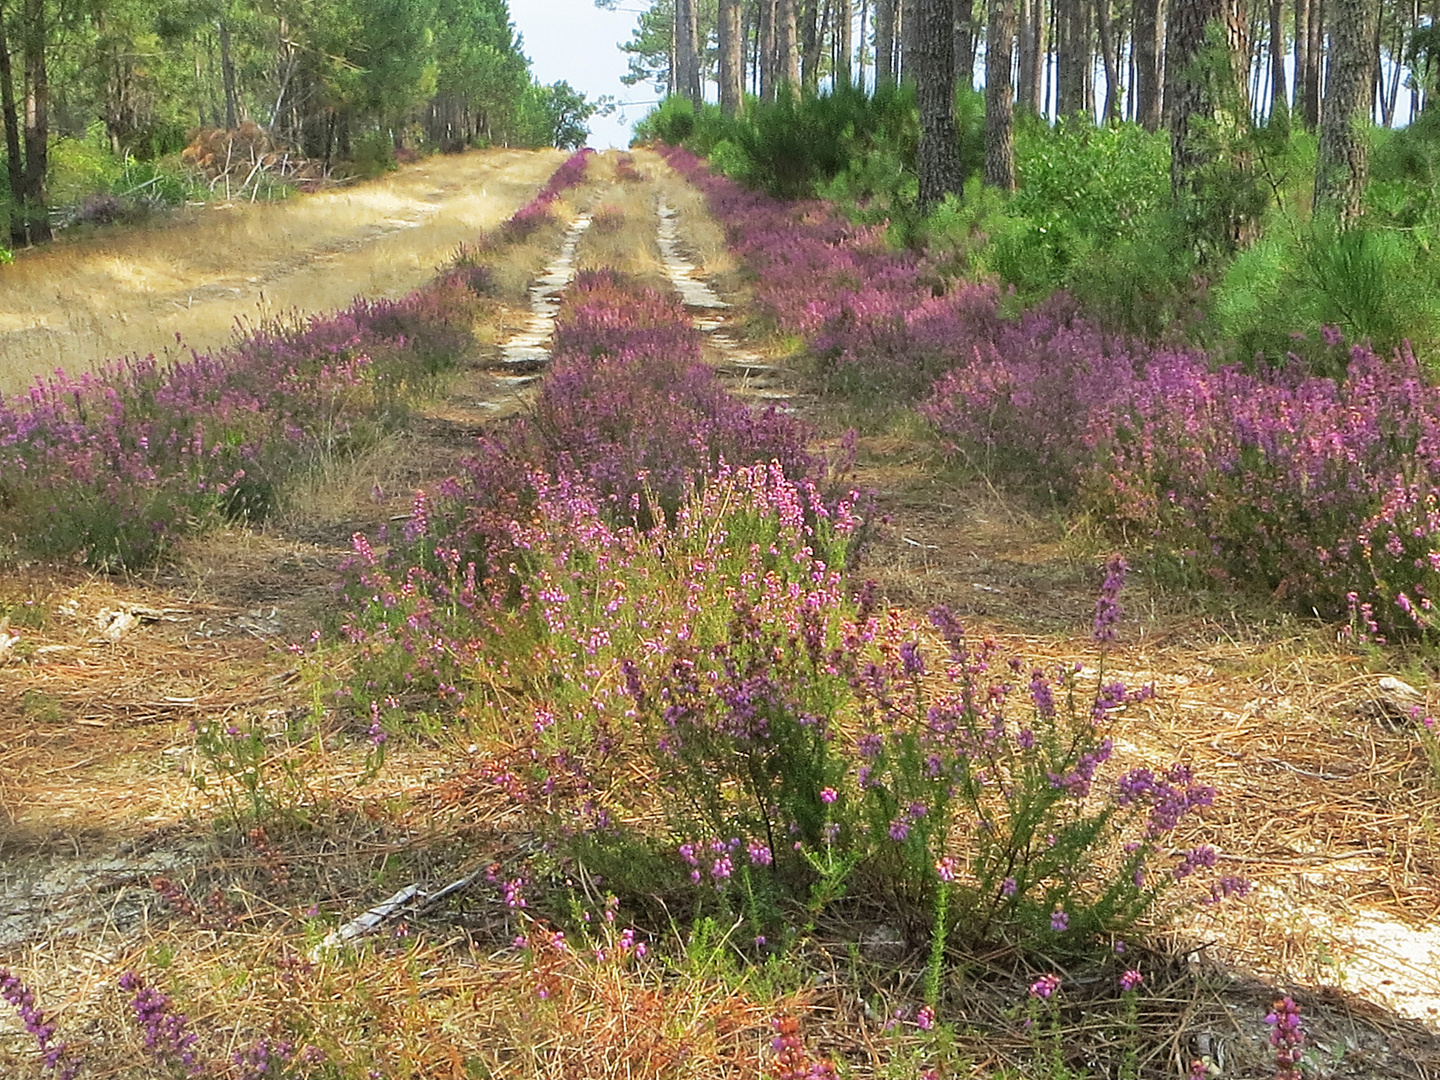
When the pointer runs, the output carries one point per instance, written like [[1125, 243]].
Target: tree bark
[[1279, 92], [14, 162], [860, 54], [1111, 58], [1149, 97], [1030, 18], [687, 51], [885, 42], [766, 36], [933, 66], [1000, 96], [844, 42], [732, 73], [1314, 63], [965, 33], [1190, 91], [787, 45], [1342, 160], [1072, 56], [37, 121]]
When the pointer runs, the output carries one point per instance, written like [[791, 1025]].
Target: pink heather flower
[[1059, 921], [1130, 980], [1044, 987], [925, 1018], [945, 868], [828, 795], [1287, 1037]]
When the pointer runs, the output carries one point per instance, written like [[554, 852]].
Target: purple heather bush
[[1310, 487], [55, 1057]]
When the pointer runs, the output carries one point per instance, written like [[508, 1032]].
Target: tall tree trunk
[[933, 66], [732, 73], [687, 52], [1072, 56], [766, 36], [787, 45], [844, 42], [965, 31], [860, 53], [1194, 92], [1279, 104], [14, 162], [885, 42], [905, 40], [814, 14], [1000, 96], [1302, 59], [1111, 58], [1314, 62], [1030, 19], [1342, 160], [37, 121], [1149, 97]]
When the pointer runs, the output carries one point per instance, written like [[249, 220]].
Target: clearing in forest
[[191, 794]]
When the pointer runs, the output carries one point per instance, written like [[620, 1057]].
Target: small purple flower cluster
[[54, 1056], [1287, 1036], [163, 1028]]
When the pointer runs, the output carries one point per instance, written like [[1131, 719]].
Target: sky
[[576, 41]]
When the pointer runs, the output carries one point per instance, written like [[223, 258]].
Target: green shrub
[[372, 155]]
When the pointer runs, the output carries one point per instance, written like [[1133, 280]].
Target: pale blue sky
[[576, 41]]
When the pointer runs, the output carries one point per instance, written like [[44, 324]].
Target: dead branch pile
[[245, 158]]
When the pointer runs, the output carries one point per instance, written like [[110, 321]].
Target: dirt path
[[88, 300]]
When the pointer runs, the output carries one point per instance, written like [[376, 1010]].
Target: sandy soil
[[90, 299]]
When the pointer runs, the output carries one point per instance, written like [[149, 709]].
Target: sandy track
[[92, 299]]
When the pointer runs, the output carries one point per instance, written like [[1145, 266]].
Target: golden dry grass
[[94, 299]]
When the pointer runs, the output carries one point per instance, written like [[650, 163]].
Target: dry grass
[[93, 299]]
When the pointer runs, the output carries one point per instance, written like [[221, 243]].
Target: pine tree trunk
[[1072, 55], [1342, 160], [1279, 106], [1000, 96], [1190, 95], [1302, 58], [732, 73], [37, 122], [885, 42], [965, 31], [1149, 98], [13, 161], [933, 66], [844, 42], [1111, 59], [687, 56], [1029, 19], [227, 73], [787, 45], [766, 35], [1314, 63]]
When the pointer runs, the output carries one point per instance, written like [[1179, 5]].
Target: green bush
[[372, 155]]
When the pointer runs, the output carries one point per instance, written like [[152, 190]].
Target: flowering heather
[[530, 216], [164, 1029], [1287, 1036], [53, 1055], [115, 462], [629, 405], [1310, 487]]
